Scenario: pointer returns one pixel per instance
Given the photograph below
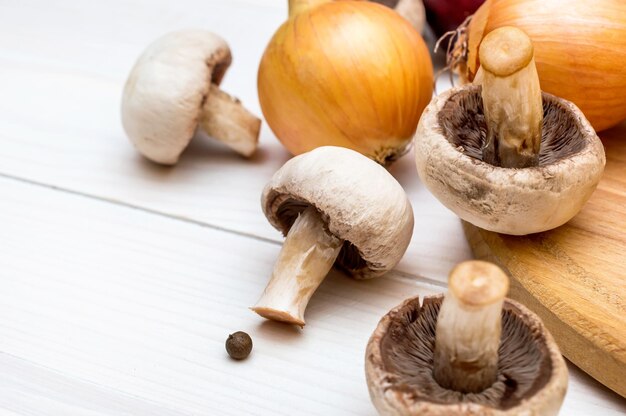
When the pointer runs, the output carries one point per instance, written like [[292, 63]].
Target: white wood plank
[[585, 397], [127, 308], [59, 118], [30, 389], [141, 303], [102, 295]]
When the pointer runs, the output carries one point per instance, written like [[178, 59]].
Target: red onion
[[446, 15]]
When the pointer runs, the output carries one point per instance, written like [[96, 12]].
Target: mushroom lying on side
[[173, 88], [471, 353], [504, 156], [411, 10], [336, 207]]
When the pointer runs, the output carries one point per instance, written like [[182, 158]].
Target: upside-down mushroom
[[174, 88], [472, 352], [502, 155], [336, 207]]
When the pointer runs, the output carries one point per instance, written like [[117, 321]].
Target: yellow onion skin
[[351, 74], [580, 49]]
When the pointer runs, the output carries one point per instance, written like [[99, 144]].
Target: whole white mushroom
[[173, 89], [336, 207]]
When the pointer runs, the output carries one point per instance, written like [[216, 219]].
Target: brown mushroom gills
[[349, 258], [463, 123], [407, 350]]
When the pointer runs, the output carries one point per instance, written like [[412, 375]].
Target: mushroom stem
[[511, 99], [467, 336], [308, 253], [298, 6], [224, 118]]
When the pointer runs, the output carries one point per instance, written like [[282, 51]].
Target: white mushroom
[[471, 353], [336, 207], [173, 88], [411, 10], [478, 151]]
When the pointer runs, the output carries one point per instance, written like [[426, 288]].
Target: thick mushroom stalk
[[469, 325], [511, 98], [308, 253], [224, 118]]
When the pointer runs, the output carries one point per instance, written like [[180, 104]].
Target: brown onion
[[580, 50], [347, 73]]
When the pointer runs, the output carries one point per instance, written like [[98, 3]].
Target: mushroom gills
[[349, 258], [224, 118], [407, 350], [462, 120], [307, 255]]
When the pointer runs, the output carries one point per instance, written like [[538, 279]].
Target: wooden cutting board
[[574, 277]]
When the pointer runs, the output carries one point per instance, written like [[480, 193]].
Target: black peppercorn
[[239, 345]]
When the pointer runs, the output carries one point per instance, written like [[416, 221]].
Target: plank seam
[[392, 274], [138, 208]]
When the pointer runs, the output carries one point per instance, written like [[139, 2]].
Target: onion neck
[[308, 253], [511, 99], [298, 6], [467, 336]]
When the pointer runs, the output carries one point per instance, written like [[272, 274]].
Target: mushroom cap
[[532, 375], [166, 89], [448, 152], [360, 202]]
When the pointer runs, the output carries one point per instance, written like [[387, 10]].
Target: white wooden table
[[120, 280]]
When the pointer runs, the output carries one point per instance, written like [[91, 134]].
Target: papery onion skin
[[348, 73], [580, 50]]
